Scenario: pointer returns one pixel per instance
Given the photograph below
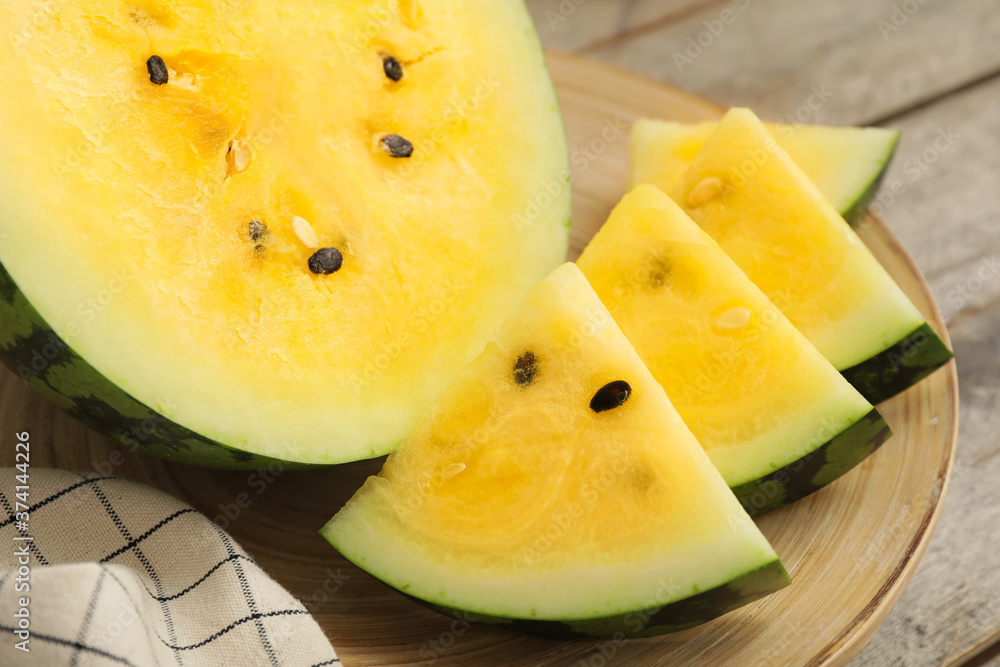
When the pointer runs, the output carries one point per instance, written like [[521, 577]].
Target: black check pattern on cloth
[[123, 574]]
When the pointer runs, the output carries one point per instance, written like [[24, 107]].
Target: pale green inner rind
[[853, 204], [575, 591], [798, 436], [872, 326], [652, 621], [853, 160], [52, 368]]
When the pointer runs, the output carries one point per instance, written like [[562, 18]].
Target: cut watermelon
[[554, 490], [234, 231], [845, 163], [777, 420], [747, 193]]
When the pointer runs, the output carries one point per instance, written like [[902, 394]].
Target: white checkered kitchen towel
[[118, 573]]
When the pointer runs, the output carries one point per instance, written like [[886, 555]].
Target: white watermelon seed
[[705, 191], [452, 469], [305, 232], [242, 157], [734, 318], [239, 156]]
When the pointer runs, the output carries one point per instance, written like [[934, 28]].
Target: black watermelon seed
[[610, 396], [393, 68], [158, 73], [326, 261], [397, 146], [525, 368], [257, 230]]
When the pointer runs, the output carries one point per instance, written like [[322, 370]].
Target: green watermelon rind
[[816, 469], [676, 616], [45, 362], [899, 367]]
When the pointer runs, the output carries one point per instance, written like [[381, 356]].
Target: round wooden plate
[[850, 549]]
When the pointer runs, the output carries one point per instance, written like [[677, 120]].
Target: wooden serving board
[[850, 549]]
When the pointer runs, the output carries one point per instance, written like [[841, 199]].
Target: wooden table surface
[[929, 68]]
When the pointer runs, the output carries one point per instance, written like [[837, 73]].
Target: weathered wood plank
[[988, 658], [571, 25], [946, 214], [856, 62]]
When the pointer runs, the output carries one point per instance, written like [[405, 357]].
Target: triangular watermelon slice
[[747, 193], [777, 420], [554, 490]]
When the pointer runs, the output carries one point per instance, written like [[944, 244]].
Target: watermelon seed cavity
[[525, 368], [610, 396], [257, 230], [326, 261], [659, 272], [157, 70], [187, 81], [392, 68], [397, 146]]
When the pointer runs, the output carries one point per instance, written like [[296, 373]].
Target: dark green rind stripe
[[857, 209], [36, 354], [901, 366], [816, 469], [656, 620]]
